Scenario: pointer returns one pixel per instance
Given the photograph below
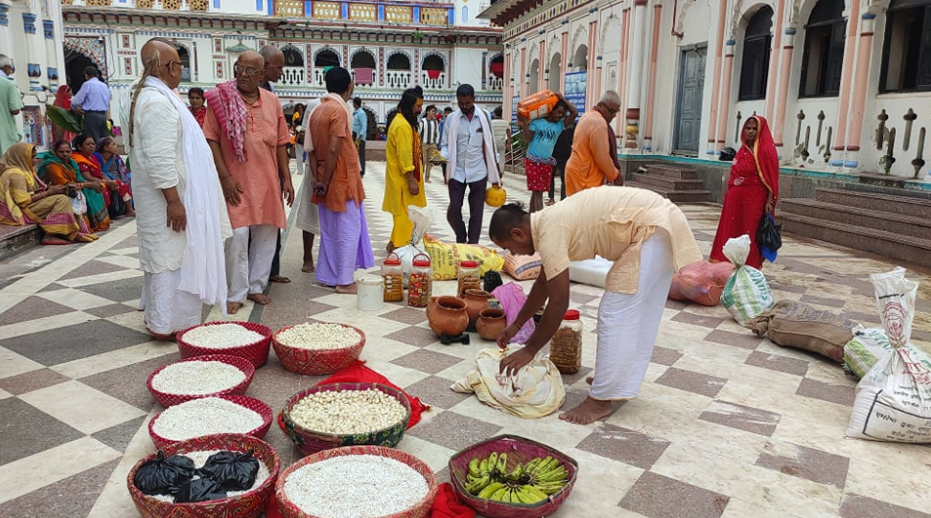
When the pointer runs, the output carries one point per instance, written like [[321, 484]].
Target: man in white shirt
[[429, 138], [468, 145]]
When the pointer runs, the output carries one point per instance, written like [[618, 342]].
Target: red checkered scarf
[[231, 112]]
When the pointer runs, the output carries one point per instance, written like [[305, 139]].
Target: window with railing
[[906, 65]]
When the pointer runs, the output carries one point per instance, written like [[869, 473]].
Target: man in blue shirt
[[360, 126], [93, 102], [542, 134]]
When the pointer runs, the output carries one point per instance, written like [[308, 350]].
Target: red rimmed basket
[[251, 503], [167, 400], [520, 450], [256, 405], [420, 510], [257, 352], [317, 362], [311, 442]]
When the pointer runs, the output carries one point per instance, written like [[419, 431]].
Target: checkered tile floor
[[726, 424]]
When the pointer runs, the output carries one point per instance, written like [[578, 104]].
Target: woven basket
[[252, 503], [242, 364], [310, 442], [519, 450], [256, 352], [317, 362], [420, 510], [251, 403]]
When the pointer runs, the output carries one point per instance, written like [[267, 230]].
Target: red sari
[[754, 179]]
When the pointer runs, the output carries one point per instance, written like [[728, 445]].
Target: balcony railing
[[293, 76], [438, 14], [496, 84], [398, 79], [168, 5], [433, 84]]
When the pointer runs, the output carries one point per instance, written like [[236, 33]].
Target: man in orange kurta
[[247, 133], [591, 163]]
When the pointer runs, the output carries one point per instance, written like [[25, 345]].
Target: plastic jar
[[420, 282], [393, 274], [469, 277], [566, 344]]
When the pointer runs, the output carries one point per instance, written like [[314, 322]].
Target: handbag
[[117, 208], [769, 237], [79, 204]]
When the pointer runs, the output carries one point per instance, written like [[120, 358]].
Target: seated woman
[[113, 168], [84, 147], [59, 169], [26, 199]]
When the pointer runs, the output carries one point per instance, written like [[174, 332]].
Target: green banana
[[474, 467], [516, 473], [475, 485], [502, 463], [499, 495], [490, 490], [530, 466], [492, 460], [532, 495], [550, 488]]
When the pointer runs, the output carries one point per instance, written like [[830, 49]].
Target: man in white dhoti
[[181, 217], [646, 236], [307, 217]]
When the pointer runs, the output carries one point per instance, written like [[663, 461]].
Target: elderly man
[[93, 102], [181, 218], [594, 149], [338, 191], [469, 146], [10, 105], [246, 130]]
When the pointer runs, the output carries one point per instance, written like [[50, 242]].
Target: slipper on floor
[[52, 240]]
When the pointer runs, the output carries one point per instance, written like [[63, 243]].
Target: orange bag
[[537, 105], [701, 282]]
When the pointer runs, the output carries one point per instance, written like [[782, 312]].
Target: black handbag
[[117, 208], [769, 237]]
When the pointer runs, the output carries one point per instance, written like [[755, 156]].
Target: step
[[671, 171], [14, 240], [896, 247], [879, 220], [889, 203], [688, 196], [669, 183]]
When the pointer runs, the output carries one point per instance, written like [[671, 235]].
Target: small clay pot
[[448, 316], [476, 301], [491, 321]]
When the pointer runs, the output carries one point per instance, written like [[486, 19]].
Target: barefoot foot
[[587, 411], [308, 268], [590, 380], [279, 279], [347, 289], [258, 298], [233, 307]]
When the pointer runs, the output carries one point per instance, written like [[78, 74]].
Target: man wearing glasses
[[247, 133], [594, 151]]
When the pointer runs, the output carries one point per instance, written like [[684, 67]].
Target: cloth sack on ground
[[593, 272], [512, 299], [893, 401], [868, 346], [746, 294], [422, 217], [445, 257], [535, 391], [523, 267], [701, 282], [796, 324]]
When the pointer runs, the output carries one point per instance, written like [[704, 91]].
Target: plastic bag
[[492, 280], [746, 294], [701, 282], [164, 475], [769, 237], [79, 204], [233, 470], [200, 490], [512, 299]]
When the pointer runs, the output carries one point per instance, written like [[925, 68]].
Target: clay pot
[[491, 322], [447, 316], [476, 301]]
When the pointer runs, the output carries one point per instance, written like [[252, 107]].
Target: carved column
[[861, 84], [724, 103], [843, 99], [716, 78]]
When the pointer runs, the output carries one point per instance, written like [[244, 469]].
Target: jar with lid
[[420, 282], [393, 273], [566, 344], [469, 277]]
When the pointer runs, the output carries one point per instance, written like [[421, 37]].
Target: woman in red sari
[[752, 190], [63, 100], [84, 147]]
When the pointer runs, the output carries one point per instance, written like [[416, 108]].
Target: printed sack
[[746, 294], [523, 267], [445, 257], [868, 346]]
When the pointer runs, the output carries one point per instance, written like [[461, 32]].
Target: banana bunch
[[529, 483]]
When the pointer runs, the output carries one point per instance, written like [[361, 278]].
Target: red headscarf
[[61, 97], [764, 154]]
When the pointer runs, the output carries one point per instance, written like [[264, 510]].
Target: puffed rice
[[205, 416], [347, 411], [221, 336], [319, 336], [197, 377], [355, 486], [200, 458]]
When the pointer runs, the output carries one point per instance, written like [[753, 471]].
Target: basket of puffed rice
[[200, 377], [210, 416], [246, 339], [318, 348], [229, 501], [358, 482], [346, 414]]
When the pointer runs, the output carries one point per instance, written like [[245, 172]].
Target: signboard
[[576, 83], [514, 102]]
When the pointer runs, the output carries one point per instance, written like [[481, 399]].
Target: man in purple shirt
[[93, 102]]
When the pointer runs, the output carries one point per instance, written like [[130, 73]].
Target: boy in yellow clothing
[[403, 175]]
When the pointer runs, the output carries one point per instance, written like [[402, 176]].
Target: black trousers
[[95, 125], [362, 155], [276, 261], [457, 191], [560, 170]]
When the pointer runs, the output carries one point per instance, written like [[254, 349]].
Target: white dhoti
[[168, 309], [308, 219], [249, 254], [628, 324]]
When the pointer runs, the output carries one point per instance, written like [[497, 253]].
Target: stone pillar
[[780, 104], [773, 76], [563, 62], [635, 84], [716, 78], [651, 90], [843, 99], [724, 102], [620, 122], [508, 86], [542, 69], [51, 55], [861, 85]]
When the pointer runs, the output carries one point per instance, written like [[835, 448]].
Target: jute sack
[[796, 324]]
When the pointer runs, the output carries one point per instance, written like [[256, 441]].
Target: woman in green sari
[[58, 168]]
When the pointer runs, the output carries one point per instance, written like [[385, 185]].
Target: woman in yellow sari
[[403, 179], [25, 199], [59, 169]]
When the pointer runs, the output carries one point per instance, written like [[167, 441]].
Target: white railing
[[293, 76], [398, 79], [434, 84], [318, 78], [496, 84]]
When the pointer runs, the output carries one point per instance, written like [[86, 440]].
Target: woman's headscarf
[[764, 153], [104, 142], [19, 156], [61, 97]]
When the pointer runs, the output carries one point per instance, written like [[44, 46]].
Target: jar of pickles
[[393, 273], [420, 282], [566, 344], [469, 277]]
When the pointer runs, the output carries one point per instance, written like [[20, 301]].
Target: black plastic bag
[[117, 208], [164, 475], [199, 490], [768, 237], [234, 471], [492, 281], [727, 154]]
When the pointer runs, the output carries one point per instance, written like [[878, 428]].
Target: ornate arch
[[317, 52], [574, 43], [744, 11], [91, 48], [295, 49], [533, 50], [685, 6], [363, 51], [410, 59], [553, 46], [440, 55], [606, 30]]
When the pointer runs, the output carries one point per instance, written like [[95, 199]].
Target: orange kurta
[[261, 201], [332, 118], [590, 164]]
